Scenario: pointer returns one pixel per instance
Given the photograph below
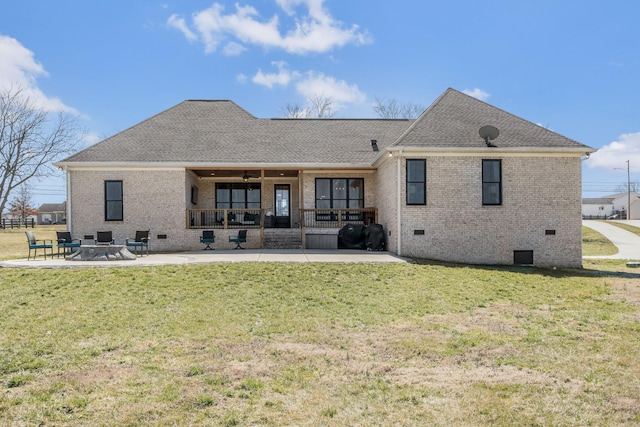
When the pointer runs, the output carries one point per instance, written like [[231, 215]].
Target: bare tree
[[294, 111], [393, 109], [633, 186], [318, 107], [321, 107], [30, 140], [21, 207]]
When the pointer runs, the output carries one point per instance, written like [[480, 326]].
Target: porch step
[[282, 238]]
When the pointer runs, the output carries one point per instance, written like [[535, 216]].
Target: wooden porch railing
[[255, 218], [225, 218]]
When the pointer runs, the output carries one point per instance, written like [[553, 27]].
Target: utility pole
[[628, 190]]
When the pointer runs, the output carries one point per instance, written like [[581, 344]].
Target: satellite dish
[[489, 133]]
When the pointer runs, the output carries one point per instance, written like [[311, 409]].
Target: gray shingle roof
[[597, 201], [454, 119], [220, 132]]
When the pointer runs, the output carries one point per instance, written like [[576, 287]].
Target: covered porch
[[279, 202]]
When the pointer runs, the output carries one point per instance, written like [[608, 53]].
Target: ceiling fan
[[246, 176]]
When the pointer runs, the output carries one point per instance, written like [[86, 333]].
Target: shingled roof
[[221, 132], [198, 132], [454, 119]]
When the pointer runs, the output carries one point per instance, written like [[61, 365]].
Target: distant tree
[[20, 206], [393, 109], [622, 188], [294, 111], [321, 107], [30, 140], [318, 107]]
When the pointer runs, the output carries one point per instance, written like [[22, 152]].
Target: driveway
[[628, 244]]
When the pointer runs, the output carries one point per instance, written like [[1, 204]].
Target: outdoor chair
[[38, 244], [140, 242], [207, 238], [104, 238], [66, 243], [240, 238]]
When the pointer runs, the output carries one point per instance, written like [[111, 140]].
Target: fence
[[17, 223]]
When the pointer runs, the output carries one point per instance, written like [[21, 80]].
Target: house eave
[[205, 165], [540, 151]]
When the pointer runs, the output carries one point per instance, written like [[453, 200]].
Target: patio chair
[[66, 242], [104, 238], [207, 238], [141, 242], [38, 244], [240, 238]]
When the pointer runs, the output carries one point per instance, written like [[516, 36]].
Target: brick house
[[439, 189]]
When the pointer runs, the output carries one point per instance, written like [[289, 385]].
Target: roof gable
[[197, 132], [454, 119], [222, 132]]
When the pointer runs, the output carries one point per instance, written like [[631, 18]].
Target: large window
[[416, 182], [113, 201], [237, 196], [339, 193], [491, 182]]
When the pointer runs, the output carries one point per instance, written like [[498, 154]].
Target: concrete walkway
[[201, 257], [628, 244]]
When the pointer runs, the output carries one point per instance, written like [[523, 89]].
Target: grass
[[320, 344], [595, 244], [625, 226], [13, 241]]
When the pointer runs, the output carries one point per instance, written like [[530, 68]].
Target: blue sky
[[570, 65]]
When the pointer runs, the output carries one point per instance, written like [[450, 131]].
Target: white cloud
[[616, 154], [233, 49], [282, 78], [339, 91], [19, 69], [310, 84], [179, 23], [477, 93], [316, 31]]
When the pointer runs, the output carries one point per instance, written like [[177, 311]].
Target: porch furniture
[[66, 242], [104, 238], [102, 253], [140, 242], [38, 244], [207, 238], [240, 238]]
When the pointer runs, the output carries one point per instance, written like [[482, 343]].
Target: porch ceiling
[[240, 173]]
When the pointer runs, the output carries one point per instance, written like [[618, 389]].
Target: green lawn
[[595, 244], [320, 344]]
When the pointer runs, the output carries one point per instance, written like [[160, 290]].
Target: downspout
[[399, 207], [68, 198]]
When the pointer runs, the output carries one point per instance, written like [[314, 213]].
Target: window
[[113, 201], [339, 193], [491, 182], [237, 196], [416, 182]]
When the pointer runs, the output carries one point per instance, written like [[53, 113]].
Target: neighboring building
[[52, 213], [439, 189], [614, 206]]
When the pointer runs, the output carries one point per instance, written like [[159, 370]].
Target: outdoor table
[[101, 253]]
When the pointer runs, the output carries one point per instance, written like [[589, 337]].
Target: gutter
[[399, 202]]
